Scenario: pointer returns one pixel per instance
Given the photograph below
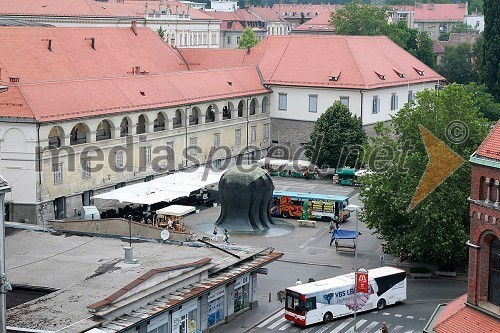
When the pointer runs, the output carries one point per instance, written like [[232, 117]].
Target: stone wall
[[115, 227]]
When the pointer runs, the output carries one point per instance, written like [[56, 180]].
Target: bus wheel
[[327, 317], [381, 304], [285, 214]]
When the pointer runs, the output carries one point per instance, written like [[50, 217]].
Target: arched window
[[141, 125], [103, 131], [253, 106], [240, 109], [210, 117], [78, 134], [482, 188], [159, 123], [226, 113], [177, 121], [265, 100], [124, 127], [56, 136], [193, 117], [494, 276]]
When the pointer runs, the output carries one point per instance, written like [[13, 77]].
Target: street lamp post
[[355, 208]]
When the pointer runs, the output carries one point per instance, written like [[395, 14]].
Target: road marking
[[276, 324], [326, 327], [409, 331], [341, 326], [270, 319], [369, 327], [397, 329], [358, 324], [397, 315], [409, 317], [386, 313], [312, 239], [295, 329], [421, 318], [284, 327]]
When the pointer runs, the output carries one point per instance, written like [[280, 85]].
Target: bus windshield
[[293, 302]]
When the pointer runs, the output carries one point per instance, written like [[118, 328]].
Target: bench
[[303, 223]]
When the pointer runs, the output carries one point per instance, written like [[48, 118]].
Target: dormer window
[[420, 72], [334, 77], [400, 74], [381, 76]]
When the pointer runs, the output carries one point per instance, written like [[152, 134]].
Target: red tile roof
[[457, 317], [117, 50], [440, 12], [356, 60], [314, 24], [437, 47], [90, 8], [490, 147], [70, 99], [282, 9], [267, 14], [239, 15]]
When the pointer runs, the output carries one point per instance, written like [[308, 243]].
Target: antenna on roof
[[49, 46], [92, 43]]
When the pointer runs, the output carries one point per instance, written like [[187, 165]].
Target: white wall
[[17, 160], [476, 21], [298, 101]]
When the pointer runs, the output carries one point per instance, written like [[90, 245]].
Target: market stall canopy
[[275, 164], [176, 210], [166, 188], [344, 234]]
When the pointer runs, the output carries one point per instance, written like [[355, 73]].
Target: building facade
[[90, 121], [480, 307]]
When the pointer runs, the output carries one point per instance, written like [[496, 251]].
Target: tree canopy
[[484, 101], [357, 18], [334, 132], [248, 38], [490, 54], [456, 64], [437, 228]]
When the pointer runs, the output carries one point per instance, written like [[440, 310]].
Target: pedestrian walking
[[384, 328], [226, 236], [215, 236], [336, 222], [306, 174], [298, 283], [332, 225]]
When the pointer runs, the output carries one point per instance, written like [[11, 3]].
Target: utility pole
[[4, 282]]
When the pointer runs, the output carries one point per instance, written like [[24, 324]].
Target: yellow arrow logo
[[442, 163]]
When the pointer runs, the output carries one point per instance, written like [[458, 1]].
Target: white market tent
[[166, 188], [276, 163], [176, 210]]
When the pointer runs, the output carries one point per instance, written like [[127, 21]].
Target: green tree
[[359, 19], [484, 101], [462, 28], [334, 131], [160, 32], [456, 65], [475, 6], [437, 228], [248, 38], [414, 42], [490, 54]]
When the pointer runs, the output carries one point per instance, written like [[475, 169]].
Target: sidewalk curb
[[262, 320]]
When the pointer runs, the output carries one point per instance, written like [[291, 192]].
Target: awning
[[166, 188], [176, 210], [344, 234]]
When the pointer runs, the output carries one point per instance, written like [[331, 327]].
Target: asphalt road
[[307, 254]]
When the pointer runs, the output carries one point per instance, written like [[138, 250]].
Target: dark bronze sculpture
[[245, 195]]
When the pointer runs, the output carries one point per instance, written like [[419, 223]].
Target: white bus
[[327, 299]]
